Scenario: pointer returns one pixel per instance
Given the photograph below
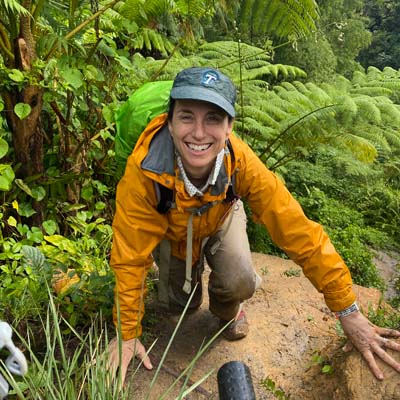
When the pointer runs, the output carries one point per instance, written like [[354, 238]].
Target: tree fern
[[13, 6], [283, 18], [192, 8], [368, 109], [393, 138]]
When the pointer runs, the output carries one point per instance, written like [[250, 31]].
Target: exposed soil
[[290, 326]]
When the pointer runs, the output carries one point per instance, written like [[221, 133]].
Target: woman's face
[[199, 130]]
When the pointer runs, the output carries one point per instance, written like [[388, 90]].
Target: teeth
[[198, 147]]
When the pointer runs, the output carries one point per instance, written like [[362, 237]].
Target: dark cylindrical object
[[234, 382]]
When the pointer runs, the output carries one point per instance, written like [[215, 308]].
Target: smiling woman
[[193, 154]]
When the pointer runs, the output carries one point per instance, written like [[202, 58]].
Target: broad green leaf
[[87, 193], [5, 184], [22, 185], [3, 147], [55, 240], [50, 226], [6, 177], [62, 243], [38, 193], [16, 75], [100, 205], [35, 235], [124, 62], [26, 210], [108, 114], [93, 74], [1, 106], [73, 77], [22, 110], [12, 221]]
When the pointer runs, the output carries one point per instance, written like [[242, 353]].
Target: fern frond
[[371, 91], [359, 78], [262, 117], [191, 8], [317, 94], [374, 135], [390, 72], [361, 147], [390, 112], [13, 7], [393, 138], [373, 73], [134, 11], [368, 109]]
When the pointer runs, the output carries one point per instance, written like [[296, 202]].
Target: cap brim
[[203, 94]]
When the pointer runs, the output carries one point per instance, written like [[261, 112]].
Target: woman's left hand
[[370, 340]]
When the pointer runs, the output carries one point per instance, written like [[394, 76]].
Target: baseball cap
[[206, 84]]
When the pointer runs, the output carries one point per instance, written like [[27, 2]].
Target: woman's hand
[[130, 348], [370, 340]]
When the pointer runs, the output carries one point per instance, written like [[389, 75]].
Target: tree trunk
[[27, 136]]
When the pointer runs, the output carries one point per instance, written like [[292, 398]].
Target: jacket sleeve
[[303, 240], [137, 229]]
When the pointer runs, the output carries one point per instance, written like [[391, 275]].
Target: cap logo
[[209, 78]]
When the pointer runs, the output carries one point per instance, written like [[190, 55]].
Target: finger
[[385, 357], [348, 347], [388, 332], [142, 355], [124, 370], [390, 344], [369, 358]]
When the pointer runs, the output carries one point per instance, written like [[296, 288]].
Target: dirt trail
[[290, 330]]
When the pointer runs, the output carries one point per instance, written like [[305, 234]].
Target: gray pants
[[232, 279]]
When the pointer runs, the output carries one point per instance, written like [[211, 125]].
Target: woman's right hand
[[130, 348]]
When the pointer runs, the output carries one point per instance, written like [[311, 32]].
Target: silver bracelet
[[349, 310]]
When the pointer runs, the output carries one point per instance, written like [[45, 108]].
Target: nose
[[198, 131]]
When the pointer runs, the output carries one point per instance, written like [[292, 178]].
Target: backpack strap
[[231, 195], [165, 198]]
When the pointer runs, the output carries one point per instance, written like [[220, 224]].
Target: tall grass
[[74, 367]]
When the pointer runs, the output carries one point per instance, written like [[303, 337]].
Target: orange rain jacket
[[138, 227]]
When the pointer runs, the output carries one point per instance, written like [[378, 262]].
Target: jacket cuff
[[339, 301]]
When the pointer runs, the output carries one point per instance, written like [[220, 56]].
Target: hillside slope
[[291, 329]]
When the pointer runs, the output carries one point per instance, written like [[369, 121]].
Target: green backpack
[[132, 117]]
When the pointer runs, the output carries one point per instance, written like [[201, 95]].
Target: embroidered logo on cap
[[209, 78]]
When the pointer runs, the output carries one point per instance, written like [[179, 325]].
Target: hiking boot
[[237, 329]]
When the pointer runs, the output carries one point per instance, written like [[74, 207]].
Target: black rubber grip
[[234, 382]]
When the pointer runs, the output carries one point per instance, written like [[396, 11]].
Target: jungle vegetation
[[318, 100]]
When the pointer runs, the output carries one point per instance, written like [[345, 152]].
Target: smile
[[198, 147]]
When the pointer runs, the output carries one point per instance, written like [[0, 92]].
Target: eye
[[185, 117], [215, 118]]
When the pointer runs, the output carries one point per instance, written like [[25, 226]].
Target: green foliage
[[32, 260], [386, 317], [259, 238], [270, 385], [342, 32], [6, 172], [257, 19], [318, 359], [384, 50], [292, 272], [13, 6], [346, 229]]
